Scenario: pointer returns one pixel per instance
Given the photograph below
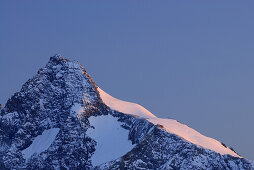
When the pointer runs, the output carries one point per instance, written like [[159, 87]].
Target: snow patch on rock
[[41, 104], [112, 140], [41, 142], [77, 110]]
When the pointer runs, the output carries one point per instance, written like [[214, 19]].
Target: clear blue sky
[[188, 60]]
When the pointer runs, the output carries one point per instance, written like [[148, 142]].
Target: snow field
[[112, 140]]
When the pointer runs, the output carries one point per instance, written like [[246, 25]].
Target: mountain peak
[[58, 57], [60, 78], [58, 62], [60, 119]]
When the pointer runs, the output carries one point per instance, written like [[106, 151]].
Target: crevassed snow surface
[[172, 126], [41, 142], [123, 106], [112, 139]]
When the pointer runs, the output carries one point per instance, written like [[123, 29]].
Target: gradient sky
[[188, 60]]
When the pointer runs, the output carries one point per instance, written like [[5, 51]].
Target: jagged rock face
[[46, 101]]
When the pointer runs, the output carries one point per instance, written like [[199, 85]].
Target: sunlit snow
[[41, 142], [112, 139], [192, 135], [170, 125], [123, 106]]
